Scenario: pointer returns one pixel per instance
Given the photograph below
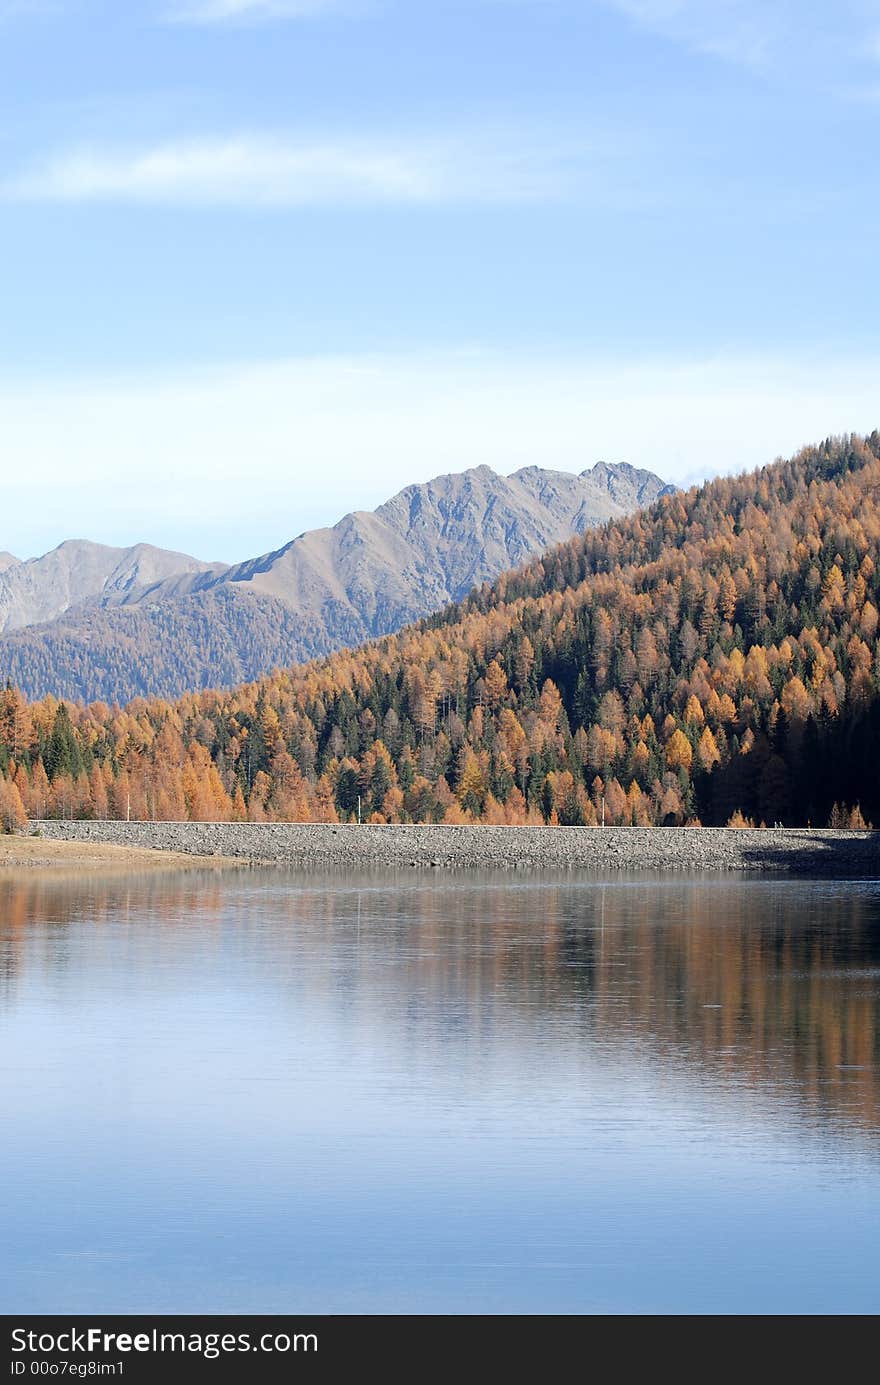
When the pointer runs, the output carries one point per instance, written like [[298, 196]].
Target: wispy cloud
[[271, 171], [298, 441], [740, 31], [763, 35], [230, 11]]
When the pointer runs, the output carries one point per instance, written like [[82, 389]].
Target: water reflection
[[355, 1035], [773, 983]]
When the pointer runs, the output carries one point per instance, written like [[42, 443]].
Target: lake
[[429, 1092]]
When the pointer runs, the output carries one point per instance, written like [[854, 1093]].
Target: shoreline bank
[[802, 851], [92, 855]]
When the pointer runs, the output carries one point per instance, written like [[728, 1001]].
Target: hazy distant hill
[[91, 622], [77, 571], [209, 639]]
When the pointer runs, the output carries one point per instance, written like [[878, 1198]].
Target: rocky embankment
[[600, 850]]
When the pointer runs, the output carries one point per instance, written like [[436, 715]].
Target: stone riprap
[[600, 850]]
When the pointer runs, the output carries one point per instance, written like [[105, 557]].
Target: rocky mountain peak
[[106, 613]]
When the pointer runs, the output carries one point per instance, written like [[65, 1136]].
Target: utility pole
[[603, 810], [359, 810]]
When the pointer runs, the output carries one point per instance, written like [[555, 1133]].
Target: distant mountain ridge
[[92, 622], [42, 589]]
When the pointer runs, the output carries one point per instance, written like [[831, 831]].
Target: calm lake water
[[262, 1092]]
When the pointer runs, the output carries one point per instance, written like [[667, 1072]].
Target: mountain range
[[91, 622]]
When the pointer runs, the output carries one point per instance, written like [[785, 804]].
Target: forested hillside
[[714, 657]]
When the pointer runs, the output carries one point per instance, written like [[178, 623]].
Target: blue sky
[[266, 262]]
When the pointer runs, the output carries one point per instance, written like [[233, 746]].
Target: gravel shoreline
[[800, 851]]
